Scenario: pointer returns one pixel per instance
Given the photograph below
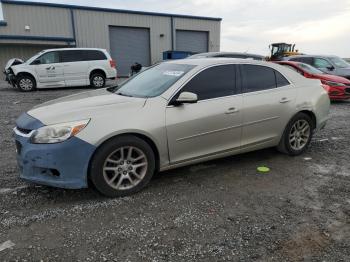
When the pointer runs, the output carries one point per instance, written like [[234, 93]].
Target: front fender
[[17, 71]]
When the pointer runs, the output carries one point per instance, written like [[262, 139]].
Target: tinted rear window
[[258, 78], [81, 55], [306, 60], [280, 79], [94, 55]]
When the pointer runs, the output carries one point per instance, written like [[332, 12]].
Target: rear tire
[[26, 83], [97, 80], [297, 135], [122, 166]]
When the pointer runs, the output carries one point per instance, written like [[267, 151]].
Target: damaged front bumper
[[10, 78], [63, 165]]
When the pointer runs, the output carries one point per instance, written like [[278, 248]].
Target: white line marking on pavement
[[7, 244], [10, 190]]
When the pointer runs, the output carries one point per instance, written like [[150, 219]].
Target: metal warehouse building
[[129, 36]]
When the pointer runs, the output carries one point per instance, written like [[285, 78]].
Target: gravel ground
[[220, 210]]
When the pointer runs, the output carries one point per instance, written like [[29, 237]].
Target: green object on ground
[[263, 169]]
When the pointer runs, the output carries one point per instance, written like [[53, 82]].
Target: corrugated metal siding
[[43, 21], [19, 51], [135, 42], [213, 27], [92, 29], [193, 41]]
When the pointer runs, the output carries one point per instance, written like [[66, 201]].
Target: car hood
[[12, 61], [84, 106], [333, 78]]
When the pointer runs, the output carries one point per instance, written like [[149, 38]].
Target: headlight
[[58, 133], [331, 83]]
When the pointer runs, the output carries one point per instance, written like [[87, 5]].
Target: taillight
[[112, 63]]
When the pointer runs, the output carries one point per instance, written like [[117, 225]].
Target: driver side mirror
[[36, 62], [186, 98], [330, 68]]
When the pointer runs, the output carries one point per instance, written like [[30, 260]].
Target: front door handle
[[232, 110], [284, 100]]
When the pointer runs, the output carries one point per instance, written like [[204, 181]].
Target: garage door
[[129, 45], [193, 41]]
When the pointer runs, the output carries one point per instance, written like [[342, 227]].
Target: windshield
[[153, 81], [339, 62], [310, 69], [34, 57]]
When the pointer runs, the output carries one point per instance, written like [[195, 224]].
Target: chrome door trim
[[209, 132]]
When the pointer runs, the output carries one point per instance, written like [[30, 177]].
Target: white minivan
[[63, 67]]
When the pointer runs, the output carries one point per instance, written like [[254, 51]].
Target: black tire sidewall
[[96, 165], [26, 77], [92, 82], [289, 149]]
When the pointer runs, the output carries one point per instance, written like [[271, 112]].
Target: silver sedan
[[172, 114]]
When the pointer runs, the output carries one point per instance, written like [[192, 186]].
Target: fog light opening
[[55, 172]]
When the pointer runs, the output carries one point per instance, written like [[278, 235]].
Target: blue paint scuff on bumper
[[62, 164]]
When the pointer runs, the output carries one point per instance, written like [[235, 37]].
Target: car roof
[[295, 56], [73, 48], [227, 53], [219, 60]]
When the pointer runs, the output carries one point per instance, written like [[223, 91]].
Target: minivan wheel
[[26, 83], [297, 135], [122, 166], [97, 80]]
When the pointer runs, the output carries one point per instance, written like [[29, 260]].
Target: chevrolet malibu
[[172, 114]]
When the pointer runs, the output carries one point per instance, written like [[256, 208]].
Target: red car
[[338, 87]]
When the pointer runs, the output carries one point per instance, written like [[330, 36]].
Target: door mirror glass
[[36, 62], [186, 97]]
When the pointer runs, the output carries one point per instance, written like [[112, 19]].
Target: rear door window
[[217, 81], [259, 78], [71, 56], [81, 55]]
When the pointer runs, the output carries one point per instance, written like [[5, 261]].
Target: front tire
[[97, 80], [297, 135], [122, 166], [26, 83]]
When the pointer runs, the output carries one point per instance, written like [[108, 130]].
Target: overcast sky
[[316, 26]]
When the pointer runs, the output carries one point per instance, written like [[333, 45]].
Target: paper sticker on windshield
[[173, 73]]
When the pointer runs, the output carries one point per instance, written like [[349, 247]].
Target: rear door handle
[[232, 110], [284, 100]]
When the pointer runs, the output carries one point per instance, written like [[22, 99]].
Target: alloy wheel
[[125, 168], [299, 134], [25, 84], [98, 81]]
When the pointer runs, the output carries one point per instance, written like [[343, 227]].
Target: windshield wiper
[[112, 88], [123, 94]]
